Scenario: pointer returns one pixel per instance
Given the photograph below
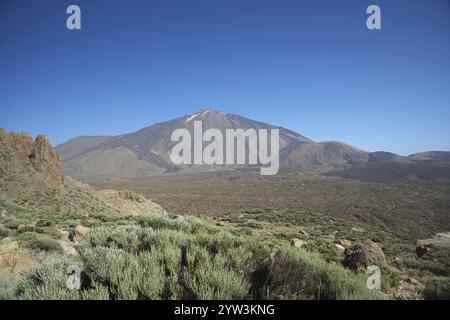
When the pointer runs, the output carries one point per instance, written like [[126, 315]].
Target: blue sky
[[310, 66]]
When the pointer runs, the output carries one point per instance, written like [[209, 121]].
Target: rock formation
[[364, 254], [39, 153]]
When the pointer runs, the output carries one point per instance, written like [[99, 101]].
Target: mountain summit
[[146, 151]]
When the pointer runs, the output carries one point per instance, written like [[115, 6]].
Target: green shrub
[[163, 258], [297, 274], [38, 241], [45, 282], [128, 276], [437, 288], [4, 232], [208, 277], [245, 231], [13, 223], [253, 225], [434, 267], [162, 222]]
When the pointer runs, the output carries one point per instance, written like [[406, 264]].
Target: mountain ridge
[[145, 152]]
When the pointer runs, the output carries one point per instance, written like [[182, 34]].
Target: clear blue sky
[[310, 66]]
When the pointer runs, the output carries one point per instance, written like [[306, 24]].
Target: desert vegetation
[[162, 257], [401, 207]]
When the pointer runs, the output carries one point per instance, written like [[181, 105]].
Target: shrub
[[161, 222], [13, 223], [128, 277], [437, 288], [4, 232], [123, 237], [297, 273], [38, 241], [45, 282], [165, 258], [209, 277]]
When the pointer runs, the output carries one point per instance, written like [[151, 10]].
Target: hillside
[[42, 211], [31, 179], [146, 153]]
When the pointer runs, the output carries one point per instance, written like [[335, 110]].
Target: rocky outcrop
[[345, 243], [438, 240], [364, 254], [132, 196], [297, 243], [79, 233], [129, 202], [45, 159], [39, 153]]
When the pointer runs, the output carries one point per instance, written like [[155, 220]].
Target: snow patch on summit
[[188, 119]]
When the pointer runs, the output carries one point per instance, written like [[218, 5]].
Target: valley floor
[[416, 209]]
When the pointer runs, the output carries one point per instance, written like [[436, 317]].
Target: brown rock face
[[21, 143], [129, 202], [45, 159], [39, 152], [130, 195]]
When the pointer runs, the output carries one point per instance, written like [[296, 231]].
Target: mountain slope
[[146, 152]]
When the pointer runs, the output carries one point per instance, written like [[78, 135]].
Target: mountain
[[146, 152]]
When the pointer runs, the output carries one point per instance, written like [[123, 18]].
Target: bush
[[209, 277], [297, 274], [45, 282], [161, 222], [129, 277], [437, 288], [38, 241], [4, 232], [163, 258], [13, 223]]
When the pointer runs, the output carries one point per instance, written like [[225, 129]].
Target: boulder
[[79, 233], [364, 254], [422, 250], [297, 243], [345, 243], [68, 250], [64, 235]]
